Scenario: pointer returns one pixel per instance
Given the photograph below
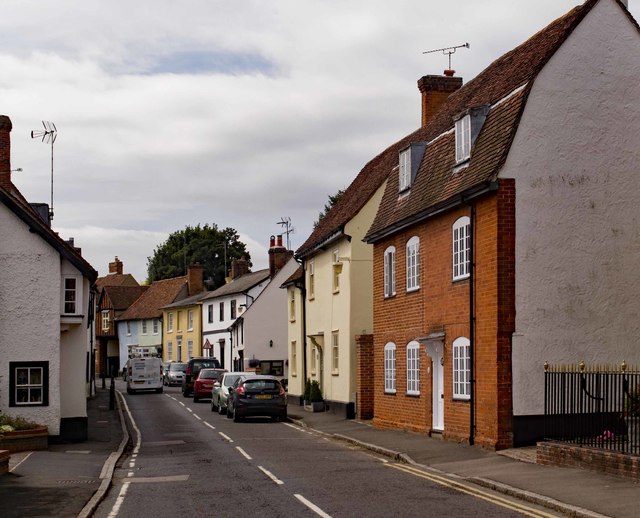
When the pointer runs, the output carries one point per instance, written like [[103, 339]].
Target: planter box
[[25, 440], [316, 406]]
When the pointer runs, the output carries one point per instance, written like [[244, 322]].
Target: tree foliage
[[204, 245], [333, 199]]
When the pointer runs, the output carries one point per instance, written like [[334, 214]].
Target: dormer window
[[463, 139], [410, 159], [468, 126], [404, 178]]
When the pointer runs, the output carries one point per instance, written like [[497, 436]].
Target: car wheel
[[221, 410], [129, 391], [159, 390], [195, 398], [185, 393], [236, 417], [229, 414]]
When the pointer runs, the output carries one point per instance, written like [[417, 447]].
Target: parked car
[[220, 393], [194, 365], [257, 395], [203, 385], [174, 373]]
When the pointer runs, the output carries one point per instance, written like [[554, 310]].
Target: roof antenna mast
[[285, 222], [448, 51], [49, 136]]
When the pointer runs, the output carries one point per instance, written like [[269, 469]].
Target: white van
[[144, 374]]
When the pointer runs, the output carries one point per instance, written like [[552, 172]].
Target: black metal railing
[[596, 406]]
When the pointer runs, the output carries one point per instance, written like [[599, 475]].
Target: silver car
[[174, 373], [220, 393]]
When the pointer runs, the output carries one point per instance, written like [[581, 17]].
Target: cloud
[[235, 113]]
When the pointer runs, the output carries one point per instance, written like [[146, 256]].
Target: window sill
[[458, 279], [411, 290], [463, 164], [335, 292], [462, 399], [413, 394], [335, 373], [390, 296], [390, 392]]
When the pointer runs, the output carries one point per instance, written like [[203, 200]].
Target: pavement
[[72, 479]]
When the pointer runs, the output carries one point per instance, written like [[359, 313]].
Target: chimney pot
[[272, 242]]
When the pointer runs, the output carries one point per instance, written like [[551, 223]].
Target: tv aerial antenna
[[285, 222], [49, 136], [449, 51]]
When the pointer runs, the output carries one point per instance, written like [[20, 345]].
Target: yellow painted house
[[182, 329], [182, 321]]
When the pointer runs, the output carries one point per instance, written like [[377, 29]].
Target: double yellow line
[[473, 491]]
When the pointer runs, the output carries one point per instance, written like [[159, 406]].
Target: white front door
[[435, 349]]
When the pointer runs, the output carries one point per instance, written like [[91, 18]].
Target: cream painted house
[[337, 305]]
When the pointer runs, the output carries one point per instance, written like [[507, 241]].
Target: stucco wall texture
[[575, 160]]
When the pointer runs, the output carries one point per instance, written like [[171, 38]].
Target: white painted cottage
[[46, 314]]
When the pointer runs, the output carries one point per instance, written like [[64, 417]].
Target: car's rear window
[[230, 380], [182, 367], [212, 375], [205, 364], [261, 384]]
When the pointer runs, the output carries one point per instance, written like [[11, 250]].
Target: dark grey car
[[257, 395]]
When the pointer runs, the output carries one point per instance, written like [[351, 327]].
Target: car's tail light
[[188, 371], [240, 390], [282, 391]]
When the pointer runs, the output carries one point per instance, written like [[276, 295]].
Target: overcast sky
[[234, 113]]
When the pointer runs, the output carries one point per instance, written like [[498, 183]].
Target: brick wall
[[442, 304], [364, 376], [612, 463]]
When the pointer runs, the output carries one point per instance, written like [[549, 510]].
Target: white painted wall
[[576, 161], [29, 313], [267, 319]]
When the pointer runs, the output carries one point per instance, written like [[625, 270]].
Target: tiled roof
[[294, 277], [239, 284], [188, 301], [157, 295], [121, 297], [116, 279], [508, 79]]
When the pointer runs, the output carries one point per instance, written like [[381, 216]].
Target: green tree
[[205, 245], [333, 199]]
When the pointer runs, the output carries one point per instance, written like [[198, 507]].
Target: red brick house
[[505, 235]]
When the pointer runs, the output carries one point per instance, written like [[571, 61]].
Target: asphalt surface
[[71, 479]]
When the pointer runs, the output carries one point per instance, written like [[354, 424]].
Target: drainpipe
[[472, 324], [303, 294]]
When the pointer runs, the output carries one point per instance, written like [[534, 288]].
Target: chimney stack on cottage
[[435, 91], [195, 278], [278, 255], [115, 266], [239, 267], [5, 152]]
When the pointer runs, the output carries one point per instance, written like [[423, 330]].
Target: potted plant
[[316, 403]]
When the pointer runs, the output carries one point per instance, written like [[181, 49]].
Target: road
[[188, 461]]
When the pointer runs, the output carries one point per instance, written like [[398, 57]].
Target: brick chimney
[[115, 266], [195, 278], [278, 255], [5, 152], [239, 267], [435, 91]]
